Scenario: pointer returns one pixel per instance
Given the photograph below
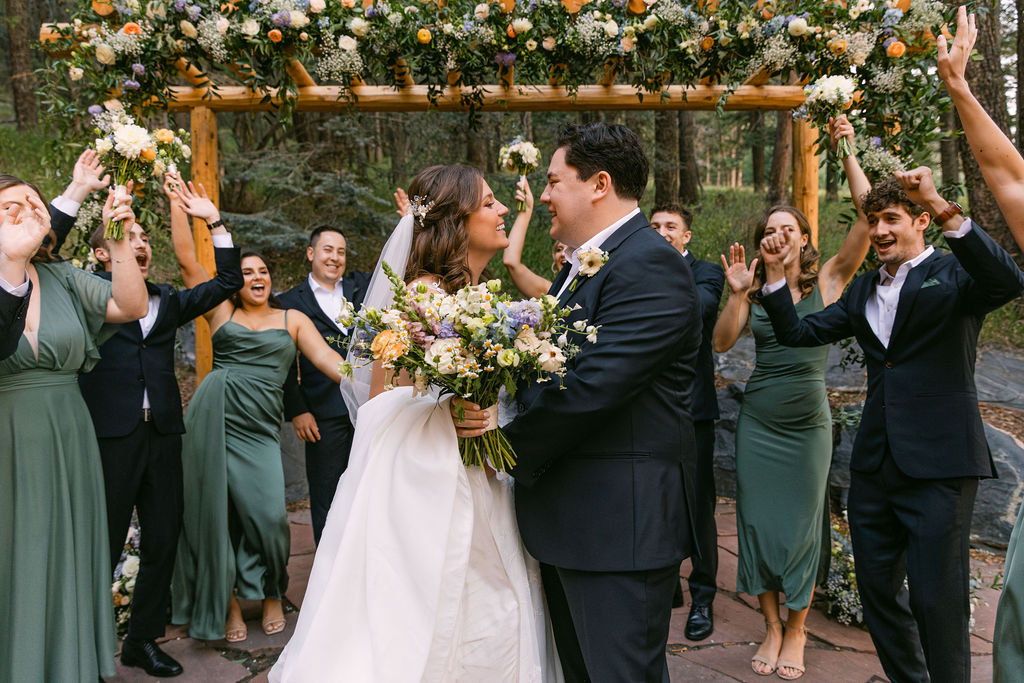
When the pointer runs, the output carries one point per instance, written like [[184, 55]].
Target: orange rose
[[837, 46], [423, 35], [707, 43], [388, 346], [102, 7], [896, 48], [510, 32], [149, 154], [132, 29], [767, 12], [274, 35], [164, 135]]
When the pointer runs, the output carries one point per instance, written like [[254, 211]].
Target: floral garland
[[135, 49]]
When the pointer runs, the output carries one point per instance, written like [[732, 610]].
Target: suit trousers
[[918, 529], [704, 572], [326, 461], [621, 620], [142, 470]]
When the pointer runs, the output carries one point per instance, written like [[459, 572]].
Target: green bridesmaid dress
[[783, 453], [1008, 643], [56, 609], [235, 527]]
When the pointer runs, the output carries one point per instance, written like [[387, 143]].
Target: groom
[[601, 493]]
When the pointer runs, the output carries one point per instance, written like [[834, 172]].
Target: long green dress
[[1008, 645], [783, 453], [235, 527], [56, 610]]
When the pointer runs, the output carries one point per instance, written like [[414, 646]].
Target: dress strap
[[286, 319], [232, 313]]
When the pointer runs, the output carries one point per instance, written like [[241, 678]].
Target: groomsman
[[133, 396], [920, 448], [674, 222], [312, 401]]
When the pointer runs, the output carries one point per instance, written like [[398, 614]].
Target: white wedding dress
[[420, 574]]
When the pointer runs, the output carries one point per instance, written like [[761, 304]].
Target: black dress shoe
[[700, 623], [148, 656], [677, 597]]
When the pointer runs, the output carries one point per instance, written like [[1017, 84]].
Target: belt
[[147, 415]]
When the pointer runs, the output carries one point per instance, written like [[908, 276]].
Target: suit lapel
[[163, 293], [560, 279], [909, 291], [610, 245], [348, 288], [313, 306]]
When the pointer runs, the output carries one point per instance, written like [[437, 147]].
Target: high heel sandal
[[761, 658], [800, 668], [272, 625], [235, 632]]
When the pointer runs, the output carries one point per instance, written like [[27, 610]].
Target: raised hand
[[22, 230], [523, 194], [775, 248], [920, 187], [172, 183], [196, 204], [737, 274], [952, 61], [402, 202], [118, 207], [838, 128], [87, 177]]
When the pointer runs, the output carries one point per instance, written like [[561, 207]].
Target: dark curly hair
[[888, 193], [594, 147], [45, 252], [808, 254], [440, 243]]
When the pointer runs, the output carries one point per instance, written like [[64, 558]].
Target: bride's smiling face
[[485, 227]]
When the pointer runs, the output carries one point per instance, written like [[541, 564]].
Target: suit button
[[143, 345], [888, 364]]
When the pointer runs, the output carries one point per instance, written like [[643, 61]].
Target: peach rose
[[896, 48], [274, 35]]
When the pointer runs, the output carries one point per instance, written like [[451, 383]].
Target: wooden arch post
[[205, 170], [805, 173]]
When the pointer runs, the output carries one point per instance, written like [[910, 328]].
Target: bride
[[420, 574]]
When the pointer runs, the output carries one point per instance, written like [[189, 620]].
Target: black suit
[[601, 487], [316, 393], [710, 280], [920, 448], [141, 454]]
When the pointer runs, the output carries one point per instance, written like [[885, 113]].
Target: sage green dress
[[235, 526], [56, 610], [783, 453], [1008, 644]]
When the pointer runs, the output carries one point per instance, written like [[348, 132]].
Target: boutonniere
[[592, 260]]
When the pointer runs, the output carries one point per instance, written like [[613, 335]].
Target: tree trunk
[[398, 149], [1020, 73], [666, 157], [986, 80], [947, 151], [689, 180], [831, 181], [476, 149], [757, 148], [23, 80], [782, 159]]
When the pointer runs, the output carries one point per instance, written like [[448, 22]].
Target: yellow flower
[[164, 135], [423, 35], [388, 346]]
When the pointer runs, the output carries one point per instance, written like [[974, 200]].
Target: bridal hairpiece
[[420, 207]]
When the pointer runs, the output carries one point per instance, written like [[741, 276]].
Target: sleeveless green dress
[[56, 611], [1008, 643], [783, 453], [235, 527]]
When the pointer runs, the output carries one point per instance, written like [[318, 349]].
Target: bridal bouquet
[[520, 156], [828, 97], [470, 344], [135, 153]]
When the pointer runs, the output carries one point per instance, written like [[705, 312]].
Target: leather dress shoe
[[677, 597], [148, 656], [700, 623]]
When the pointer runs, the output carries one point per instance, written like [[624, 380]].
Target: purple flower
[[138, 69], [95, 110], [130, 84], [875, 141], [447, 330], [179, 5], [888, 42], [419, 335], [505, 58], [371, 11], [619, 3], [526, 313], [281, 19], [892, 16], [193, 12]]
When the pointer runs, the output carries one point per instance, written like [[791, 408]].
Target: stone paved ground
[[834, 652]]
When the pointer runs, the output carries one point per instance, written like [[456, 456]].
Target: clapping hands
[[737, 274]]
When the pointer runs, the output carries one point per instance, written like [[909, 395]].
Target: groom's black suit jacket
[[600, 480], [921, 395]]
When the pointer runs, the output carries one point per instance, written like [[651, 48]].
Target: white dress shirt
[[594, 242], [880, 309], [20, 290], [331, 300]]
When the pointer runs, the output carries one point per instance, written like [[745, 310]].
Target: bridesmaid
[[235, 538], [56, 615], [784, 432]]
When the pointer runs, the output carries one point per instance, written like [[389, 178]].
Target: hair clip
[[420, 207]]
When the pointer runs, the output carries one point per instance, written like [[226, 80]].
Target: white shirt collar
[[597, 240], [901, 272], [316, 286]]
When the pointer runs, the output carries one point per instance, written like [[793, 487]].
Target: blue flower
[[130, 84], [95, 110], [193, 12], [892, 16], [281, 19], [138, 69], [875, 141], [505, 58], [370, 11]]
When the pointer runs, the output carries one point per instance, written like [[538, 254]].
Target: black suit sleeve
[[710, 281], [824, 327], [995, 278], [201, 298], [61, 224], [361, 281], [643, 330], [12, 320]]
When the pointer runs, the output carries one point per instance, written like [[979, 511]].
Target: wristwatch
[[954, 209], [220, 221]]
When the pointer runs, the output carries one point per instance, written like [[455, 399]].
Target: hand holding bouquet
[[470, 344], [827, 98], [522, 157]]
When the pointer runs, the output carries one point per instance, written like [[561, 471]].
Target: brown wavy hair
[[272, 300], [440, 243], [808, 255], [45, 252]]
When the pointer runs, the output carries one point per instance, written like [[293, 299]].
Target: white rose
[[611, 29], [798, 27], [522, 25], [250, 27], [222, 25], [317, 6], [105, 54], [188, 28], [394, 18], [75, 73], [186, 151], [347, 43], [650, 22], [298, 19], [549, 43], [482, 11], [130, 140], [130, 566], [359, 26], [410, 9], [103, 145]]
